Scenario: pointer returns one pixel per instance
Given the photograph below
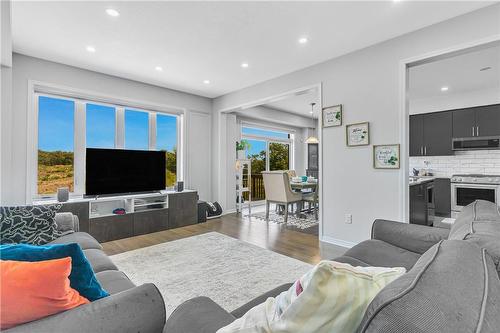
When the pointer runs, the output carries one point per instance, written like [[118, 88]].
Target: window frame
[[80, 99]]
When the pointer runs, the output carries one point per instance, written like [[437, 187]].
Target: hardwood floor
[[271, 236]]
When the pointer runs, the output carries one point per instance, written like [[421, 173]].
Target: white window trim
[[81, 97]]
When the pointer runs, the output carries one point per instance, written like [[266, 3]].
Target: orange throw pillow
[[33, 290]]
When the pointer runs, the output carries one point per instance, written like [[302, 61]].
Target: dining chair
[[313, 199], [278, 191]]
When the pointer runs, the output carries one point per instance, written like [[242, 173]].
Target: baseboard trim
[[338, 242], [229, 211]]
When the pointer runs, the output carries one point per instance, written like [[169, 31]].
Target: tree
[[279, 155]]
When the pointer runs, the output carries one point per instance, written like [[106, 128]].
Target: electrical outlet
[[348, 218]]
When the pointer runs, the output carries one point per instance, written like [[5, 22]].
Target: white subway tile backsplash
[[480, 161]]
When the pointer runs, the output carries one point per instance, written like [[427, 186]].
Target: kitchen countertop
[[421, 180]]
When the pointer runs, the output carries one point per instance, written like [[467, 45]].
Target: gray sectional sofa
[[452, 282], [129, 308]]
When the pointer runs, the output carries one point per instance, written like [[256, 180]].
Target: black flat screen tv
[[118, 171]]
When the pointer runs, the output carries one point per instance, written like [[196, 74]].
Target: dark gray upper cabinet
[[437, 134], [488, 120], [464, 123], [416, 135], [477, 121], [430, 134]]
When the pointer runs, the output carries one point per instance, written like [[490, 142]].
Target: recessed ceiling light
[[159, 68], [112, 12], [244, 65], [303, 40], [206, 81], [485, 69], [90, 49], [444, 88]]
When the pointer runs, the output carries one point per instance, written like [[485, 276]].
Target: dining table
[[303, 185]]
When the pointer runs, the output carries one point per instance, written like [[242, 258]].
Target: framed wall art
[[386, 156], [358, 134], [332, 116]]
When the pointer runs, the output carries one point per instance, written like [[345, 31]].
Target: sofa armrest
[[67, 222], [198, 315], [140, 309], [412, 237]]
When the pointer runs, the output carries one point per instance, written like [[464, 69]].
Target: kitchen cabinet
[[442, 197], [418, 204], [488, 120], [417, 135], [477, 121], [430, 134]]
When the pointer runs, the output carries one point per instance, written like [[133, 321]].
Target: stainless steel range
[[465, 189]]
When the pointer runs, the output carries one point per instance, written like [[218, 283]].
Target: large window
[[269, 151], [136, 130], [67, 126], [166, 139], [55, 144], [100, 126]]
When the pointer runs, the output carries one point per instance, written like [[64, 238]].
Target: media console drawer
[[108, 228], [150, 221]]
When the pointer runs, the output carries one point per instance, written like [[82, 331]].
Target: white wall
[[367, 83], [455, 101], [14, 125], [266, 114]]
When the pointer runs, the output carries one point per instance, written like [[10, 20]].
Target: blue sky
[[56, 127]]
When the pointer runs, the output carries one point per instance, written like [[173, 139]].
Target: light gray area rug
[[229, 271]]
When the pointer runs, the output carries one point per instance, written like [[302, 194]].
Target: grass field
[[51, 177]]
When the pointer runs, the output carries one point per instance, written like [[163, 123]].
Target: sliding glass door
[[269, 151]]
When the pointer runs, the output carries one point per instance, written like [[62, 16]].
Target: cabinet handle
[[421, 150], [477, 130], [425, 150], [472, 130]]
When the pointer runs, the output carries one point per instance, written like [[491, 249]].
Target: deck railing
[[257, 187]]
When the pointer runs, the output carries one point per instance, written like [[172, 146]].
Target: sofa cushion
[[200, 315], [351, 261], [114, 281], [99, 260], [378, 253], [479, 223], [82, 238], [453, 287], [28, 224]]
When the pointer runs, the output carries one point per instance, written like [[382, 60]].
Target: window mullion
[[152, 130], [120, 128], [79, 147]]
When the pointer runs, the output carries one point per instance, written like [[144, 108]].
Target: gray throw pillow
[[452, 288], [479, 223], [28, 224]]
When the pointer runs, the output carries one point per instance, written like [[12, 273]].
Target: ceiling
[[298, 104], [197, 41], [460, 74]]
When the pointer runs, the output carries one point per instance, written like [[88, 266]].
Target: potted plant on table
[[241, 148]]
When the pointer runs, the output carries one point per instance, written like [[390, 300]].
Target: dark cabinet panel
[[437, 134], [488, 120], [416, 135], [464, 121], [183, 209], [150, 221], [108, 228], [442, 196], [418, 204]]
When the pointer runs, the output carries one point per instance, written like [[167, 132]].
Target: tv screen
[[113, 171]]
